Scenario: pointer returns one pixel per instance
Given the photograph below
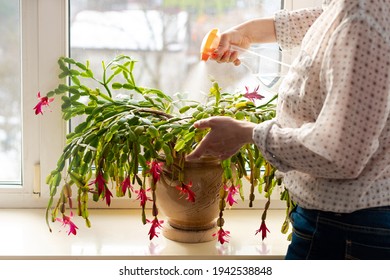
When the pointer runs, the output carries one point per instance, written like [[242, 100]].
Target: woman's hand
[[226, 137], [225, 53], [260, 30]]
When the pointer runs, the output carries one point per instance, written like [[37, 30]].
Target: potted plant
[[123, 144]]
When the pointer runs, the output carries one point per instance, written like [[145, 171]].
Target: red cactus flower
[[43, 101], [155, 170], [232, 191], [263, 229], [66, 221], [185, 190], [100, 182], [253, 95], [107, 196], [142, 197], [126, 185], [156, 224], [223, 236]]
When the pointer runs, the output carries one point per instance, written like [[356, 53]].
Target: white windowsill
[[119, 234]]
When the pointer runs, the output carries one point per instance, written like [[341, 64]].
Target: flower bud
[[220, 222]]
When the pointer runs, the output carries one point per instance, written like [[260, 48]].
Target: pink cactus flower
[[232, 191], [43, 101], [155, 170], [253, 95], [142, 197], [66, 221], [156, 224], [185, 190], [263, 229], [223, 236]]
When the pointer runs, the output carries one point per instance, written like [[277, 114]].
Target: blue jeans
[[364, 234]]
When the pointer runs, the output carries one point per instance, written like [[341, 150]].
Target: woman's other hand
[[226, 137]]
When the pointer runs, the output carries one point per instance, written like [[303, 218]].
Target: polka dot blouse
[[331, 137]]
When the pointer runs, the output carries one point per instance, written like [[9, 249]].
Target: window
[[10, 94], [165, 36], [39, 38]]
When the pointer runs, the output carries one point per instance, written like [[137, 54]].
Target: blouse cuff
[[260, 135], [283, 38]]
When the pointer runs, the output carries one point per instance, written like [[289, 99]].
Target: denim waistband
[[374, 217]]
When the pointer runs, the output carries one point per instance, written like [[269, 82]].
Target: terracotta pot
[[191, 222]]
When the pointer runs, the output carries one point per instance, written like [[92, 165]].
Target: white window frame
[[43, 40], [44, 37]]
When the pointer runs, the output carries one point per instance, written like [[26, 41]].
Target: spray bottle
[[264, 63]]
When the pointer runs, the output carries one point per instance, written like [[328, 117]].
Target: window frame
[[44, 38]]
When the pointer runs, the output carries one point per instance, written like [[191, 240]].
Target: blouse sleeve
[[339, 144], [291, 26]]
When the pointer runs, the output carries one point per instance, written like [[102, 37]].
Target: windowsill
[[119, 233]]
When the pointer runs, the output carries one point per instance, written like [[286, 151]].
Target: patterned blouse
[[331, 137]]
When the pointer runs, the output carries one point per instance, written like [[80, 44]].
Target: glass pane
[[164, 36], [10, 93]]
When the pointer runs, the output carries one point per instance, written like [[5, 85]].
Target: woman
[[331, 136]]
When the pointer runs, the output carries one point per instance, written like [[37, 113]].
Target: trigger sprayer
[[209, 44], [264, 63]]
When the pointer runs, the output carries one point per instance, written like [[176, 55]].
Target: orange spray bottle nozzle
[[209, 44]]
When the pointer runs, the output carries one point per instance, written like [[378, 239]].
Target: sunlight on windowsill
[[119, 233]]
